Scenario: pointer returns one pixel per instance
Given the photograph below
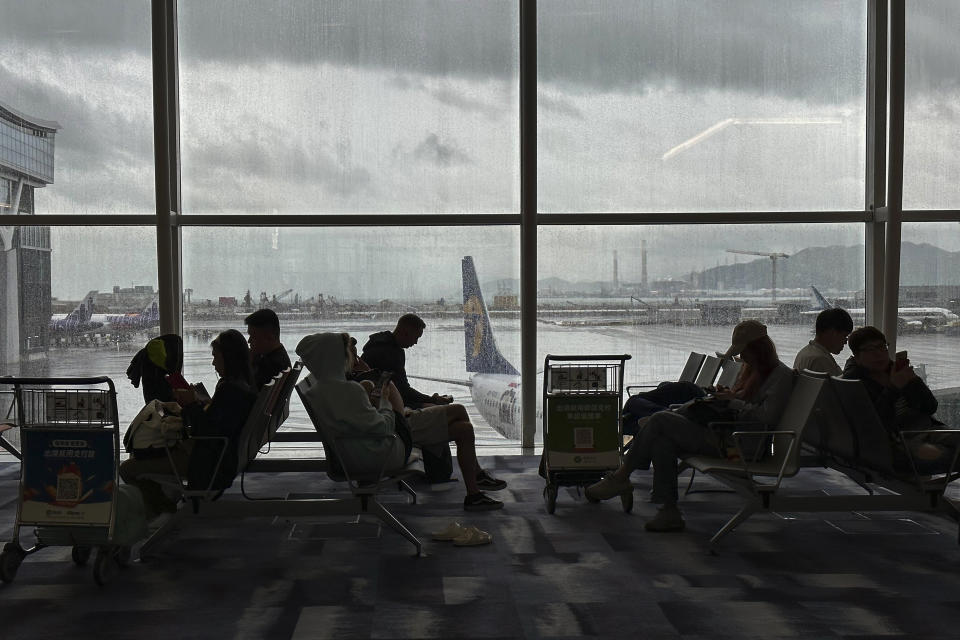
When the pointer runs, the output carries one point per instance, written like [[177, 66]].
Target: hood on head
[[323, 354]]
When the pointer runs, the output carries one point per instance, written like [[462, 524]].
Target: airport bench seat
[[264, 419], [826, 411]]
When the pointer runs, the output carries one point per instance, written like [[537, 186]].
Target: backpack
[[437, 462], [158, 425]]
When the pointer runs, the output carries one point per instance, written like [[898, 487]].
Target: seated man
[[267, 355], [832, 328], [385, 351], [435, 425], [902, 401]]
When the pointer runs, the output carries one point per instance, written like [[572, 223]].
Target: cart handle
[[41, 381], [623, 356]]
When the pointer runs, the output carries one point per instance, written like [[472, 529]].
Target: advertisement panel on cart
[[68, 477]]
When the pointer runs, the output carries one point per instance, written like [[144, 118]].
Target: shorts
[[429, 426]]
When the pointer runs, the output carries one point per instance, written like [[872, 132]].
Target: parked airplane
[[495, 383], [130, 322], [907, 317], [80, 320]]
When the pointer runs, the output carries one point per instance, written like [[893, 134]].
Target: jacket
[[770, 399], [160, 356], [343, 408], [268, 365], [224, 416], [382, 352], [898, 409]]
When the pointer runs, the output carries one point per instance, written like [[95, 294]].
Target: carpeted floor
[[589, 570]]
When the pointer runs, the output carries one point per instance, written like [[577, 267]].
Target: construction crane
[[280, 296], [773, 264]]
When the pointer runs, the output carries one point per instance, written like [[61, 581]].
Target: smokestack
[[616, 276], [643, 264]]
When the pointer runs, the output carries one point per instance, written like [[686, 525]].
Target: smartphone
[[382, 380], [901, 361], [177, 381]]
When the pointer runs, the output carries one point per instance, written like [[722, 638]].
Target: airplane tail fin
[[822, 303], [84, 310], [481, 350]]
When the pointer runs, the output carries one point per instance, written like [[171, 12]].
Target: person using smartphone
[[901, 398]]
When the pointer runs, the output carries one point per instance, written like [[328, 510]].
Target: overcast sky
[[359, 107]]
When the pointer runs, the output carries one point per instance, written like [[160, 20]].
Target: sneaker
[[472, 537], [481, 502], [609, 487], [667, 519], [453, 531], [488, 483]]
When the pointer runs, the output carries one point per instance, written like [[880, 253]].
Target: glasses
[[876, 346]]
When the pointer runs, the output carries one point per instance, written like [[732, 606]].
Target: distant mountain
[[835, 267], [828, 268]]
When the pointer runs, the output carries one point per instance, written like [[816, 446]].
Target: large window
[[83, 69], [928, 318], [701, 106], [358, 280], [932, 88], [660, 292], [746, 110], [87, 304], [349, 107]]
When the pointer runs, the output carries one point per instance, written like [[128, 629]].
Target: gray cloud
[[442, 154], [782, 48]]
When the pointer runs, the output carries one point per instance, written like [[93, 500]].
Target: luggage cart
[[69, 437], [582, 427]]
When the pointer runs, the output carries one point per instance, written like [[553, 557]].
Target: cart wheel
[[10, 559], [550, 496], [105, 566], [81, 554], [123, 556], [626, 499]]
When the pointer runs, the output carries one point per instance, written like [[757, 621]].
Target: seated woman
[[222, 415], [760, 395], [901, 399], [346, 408]]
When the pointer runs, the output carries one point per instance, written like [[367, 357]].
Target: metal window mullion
[[528, 221], [166, 161], [891, 274], [875, 190]]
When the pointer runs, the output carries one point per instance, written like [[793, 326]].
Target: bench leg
[[748, 510], [406, 488], [390, 520], [158, 536]]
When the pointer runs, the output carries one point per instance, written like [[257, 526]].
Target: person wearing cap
[[760, 394]]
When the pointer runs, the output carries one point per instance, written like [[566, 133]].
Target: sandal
[[453, 531], [473, 537]]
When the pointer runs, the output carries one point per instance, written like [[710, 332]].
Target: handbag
[[157, 426], [706, 410]]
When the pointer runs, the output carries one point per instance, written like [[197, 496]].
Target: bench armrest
[[630, 388], [739, 435], [949, 477]]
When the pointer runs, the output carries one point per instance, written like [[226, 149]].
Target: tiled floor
[[587, 571]]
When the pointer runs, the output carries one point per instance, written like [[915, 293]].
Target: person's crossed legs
[[451, 423]]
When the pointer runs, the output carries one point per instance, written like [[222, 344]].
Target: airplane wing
[[460, 383]]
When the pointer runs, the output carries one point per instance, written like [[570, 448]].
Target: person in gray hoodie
[[345, 407]]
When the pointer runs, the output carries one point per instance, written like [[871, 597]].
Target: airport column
[[875, 176], [10, 316], [891, 272], [528, 221], [166, 137]]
